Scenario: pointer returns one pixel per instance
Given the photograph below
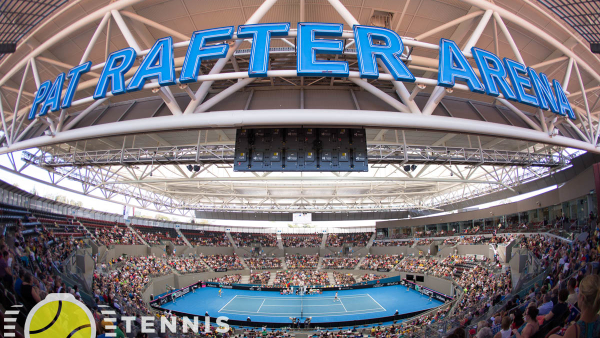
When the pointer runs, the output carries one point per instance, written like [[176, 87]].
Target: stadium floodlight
[[196, 168], [190, 167]]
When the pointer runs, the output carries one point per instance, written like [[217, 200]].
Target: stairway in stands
[[85, 228], [370, 243], [320, 263], [360, 261], [208, 268], [137, 234], [185, 240], [324, 241], [245, 279], [462, 267], [272, 278], [331, 278], [283, 263], [279, 241], [243, 261], [231, 239]]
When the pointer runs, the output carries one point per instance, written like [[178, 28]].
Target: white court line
[[261, 305], [340, 299], [306, 299], [304, 305], [287, 314], [376, 302], [228, 303]]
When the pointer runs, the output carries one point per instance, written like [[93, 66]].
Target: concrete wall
[[129, 250], [435, 283], [446, 250], [389, 250], [157, 250], [159, 284], [183, 250], [269, 251], [475, 250], [301, 251], [214, 250]]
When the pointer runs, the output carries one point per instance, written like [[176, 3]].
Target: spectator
[[505, 331], [5, 271], [29, 292], [572, 299], [547, 306], [560, 308], [588, 325], [532, 326]]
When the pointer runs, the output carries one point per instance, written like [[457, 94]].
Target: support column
[[597, 187]]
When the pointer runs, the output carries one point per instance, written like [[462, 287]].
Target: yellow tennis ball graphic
[[60, 316]]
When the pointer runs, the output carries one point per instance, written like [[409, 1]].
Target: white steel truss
[[476, 170]]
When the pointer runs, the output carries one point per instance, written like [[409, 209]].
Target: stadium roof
[[149, 169]]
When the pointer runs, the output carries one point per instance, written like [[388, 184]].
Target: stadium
[[300, 168]]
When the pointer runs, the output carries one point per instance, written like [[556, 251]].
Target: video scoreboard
[[301, 149]]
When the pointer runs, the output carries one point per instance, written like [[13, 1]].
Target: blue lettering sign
[[158, 64], [198, 51], [261, 41], [117, 64], [389, 53], [453, 65], [309, 46], [74, 75]]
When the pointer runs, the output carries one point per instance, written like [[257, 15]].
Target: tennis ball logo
[[60, 316]]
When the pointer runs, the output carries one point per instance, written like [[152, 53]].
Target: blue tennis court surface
[[270, 306], [295, 306]]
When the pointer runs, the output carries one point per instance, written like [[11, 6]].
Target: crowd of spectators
[[260, 263], [247, 239], [367, 277], [424, 241], [479, 239], [393, 243], [207, 238], [150, 237], [354, 239], [302, 277], [568, 300], [28, 267], [227, 279], [374, 262], [445, 268], [261, 278], [301, 240], [302, 261], [186, 265], [339, 263], [229, 262], [115, 235], [344, 279], [122, 287]]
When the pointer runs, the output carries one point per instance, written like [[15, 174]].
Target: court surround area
[[358, 305]]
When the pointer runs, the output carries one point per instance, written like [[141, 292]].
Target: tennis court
[[294, 306], [269, 306]]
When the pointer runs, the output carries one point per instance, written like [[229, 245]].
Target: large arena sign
[[500, 78]]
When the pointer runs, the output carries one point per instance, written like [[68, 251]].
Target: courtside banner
[[493, 76]]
